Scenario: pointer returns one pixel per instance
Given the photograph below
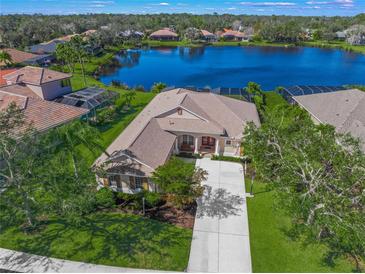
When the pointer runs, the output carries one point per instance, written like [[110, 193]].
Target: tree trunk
[[74, 166], [28, 211], [83, 70]]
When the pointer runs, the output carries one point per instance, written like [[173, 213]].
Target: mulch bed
[[165, 213], [179, 217]]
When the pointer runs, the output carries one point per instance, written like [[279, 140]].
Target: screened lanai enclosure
[[91, 98]]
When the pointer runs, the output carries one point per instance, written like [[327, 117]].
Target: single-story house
[[22, 57], [341, 35], [345, 110], [47, 47], [128, 34], [175, 121], [208, 36], [164, 34], [232, 35]]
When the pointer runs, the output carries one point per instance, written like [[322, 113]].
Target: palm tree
[[5, 58], [76, 136]]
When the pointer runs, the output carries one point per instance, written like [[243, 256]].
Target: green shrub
[[227, 158], [152, 199], [158, 87], [105, 198], [125, 197], [106, 115]]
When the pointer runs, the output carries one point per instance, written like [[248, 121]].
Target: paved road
[[24, 262], [221, 237]]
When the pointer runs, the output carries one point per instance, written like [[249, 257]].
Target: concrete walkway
[[221, 237], [24, 262]]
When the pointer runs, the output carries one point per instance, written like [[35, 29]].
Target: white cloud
[[163, 4], [343, 3], [102, 2], [268, 4]]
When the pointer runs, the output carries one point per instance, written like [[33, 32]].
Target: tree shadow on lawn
[[121, 240], [219, 203]]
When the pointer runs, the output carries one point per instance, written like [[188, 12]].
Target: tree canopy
[[180, 181], [319, 175]]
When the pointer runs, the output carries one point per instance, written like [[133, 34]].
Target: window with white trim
[[138, 182], [188, 140]]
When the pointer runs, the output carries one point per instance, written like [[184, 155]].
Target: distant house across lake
[[165, 34], [232, 35], [208, 36]]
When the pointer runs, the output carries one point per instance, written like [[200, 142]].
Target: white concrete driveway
[[220, 238]]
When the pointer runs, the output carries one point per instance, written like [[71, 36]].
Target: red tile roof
[[206, 33], [4, 72], [237, 34]]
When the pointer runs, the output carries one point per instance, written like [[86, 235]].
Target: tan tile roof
[[7, 98], [345, 110], [149, 136], [164, 32], [207, 33], [156, 141], [35, 75], [40, 113], [18, 56], [190, 125], [46, 114], [19, 89]]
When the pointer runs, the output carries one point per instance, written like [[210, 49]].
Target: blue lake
[[236, 66]]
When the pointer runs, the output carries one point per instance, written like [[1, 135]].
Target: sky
[[259, 7]]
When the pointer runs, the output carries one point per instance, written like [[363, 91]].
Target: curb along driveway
[[221, 236]]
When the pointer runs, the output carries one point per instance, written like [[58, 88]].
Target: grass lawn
[[335, 44], [107, 238], [272, 250], [273, 99]]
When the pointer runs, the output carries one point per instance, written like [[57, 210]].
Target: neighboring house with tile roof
[[3, 72], [32, 89], [344, 109], [164, 34], [22, 57], [46, 47], [45, 83], [41, 114], [232, 35], [208, 36], [175, 121]]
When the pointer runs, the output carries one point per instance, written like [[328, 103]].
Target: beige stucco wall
[[51, 90], [124, 179]]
